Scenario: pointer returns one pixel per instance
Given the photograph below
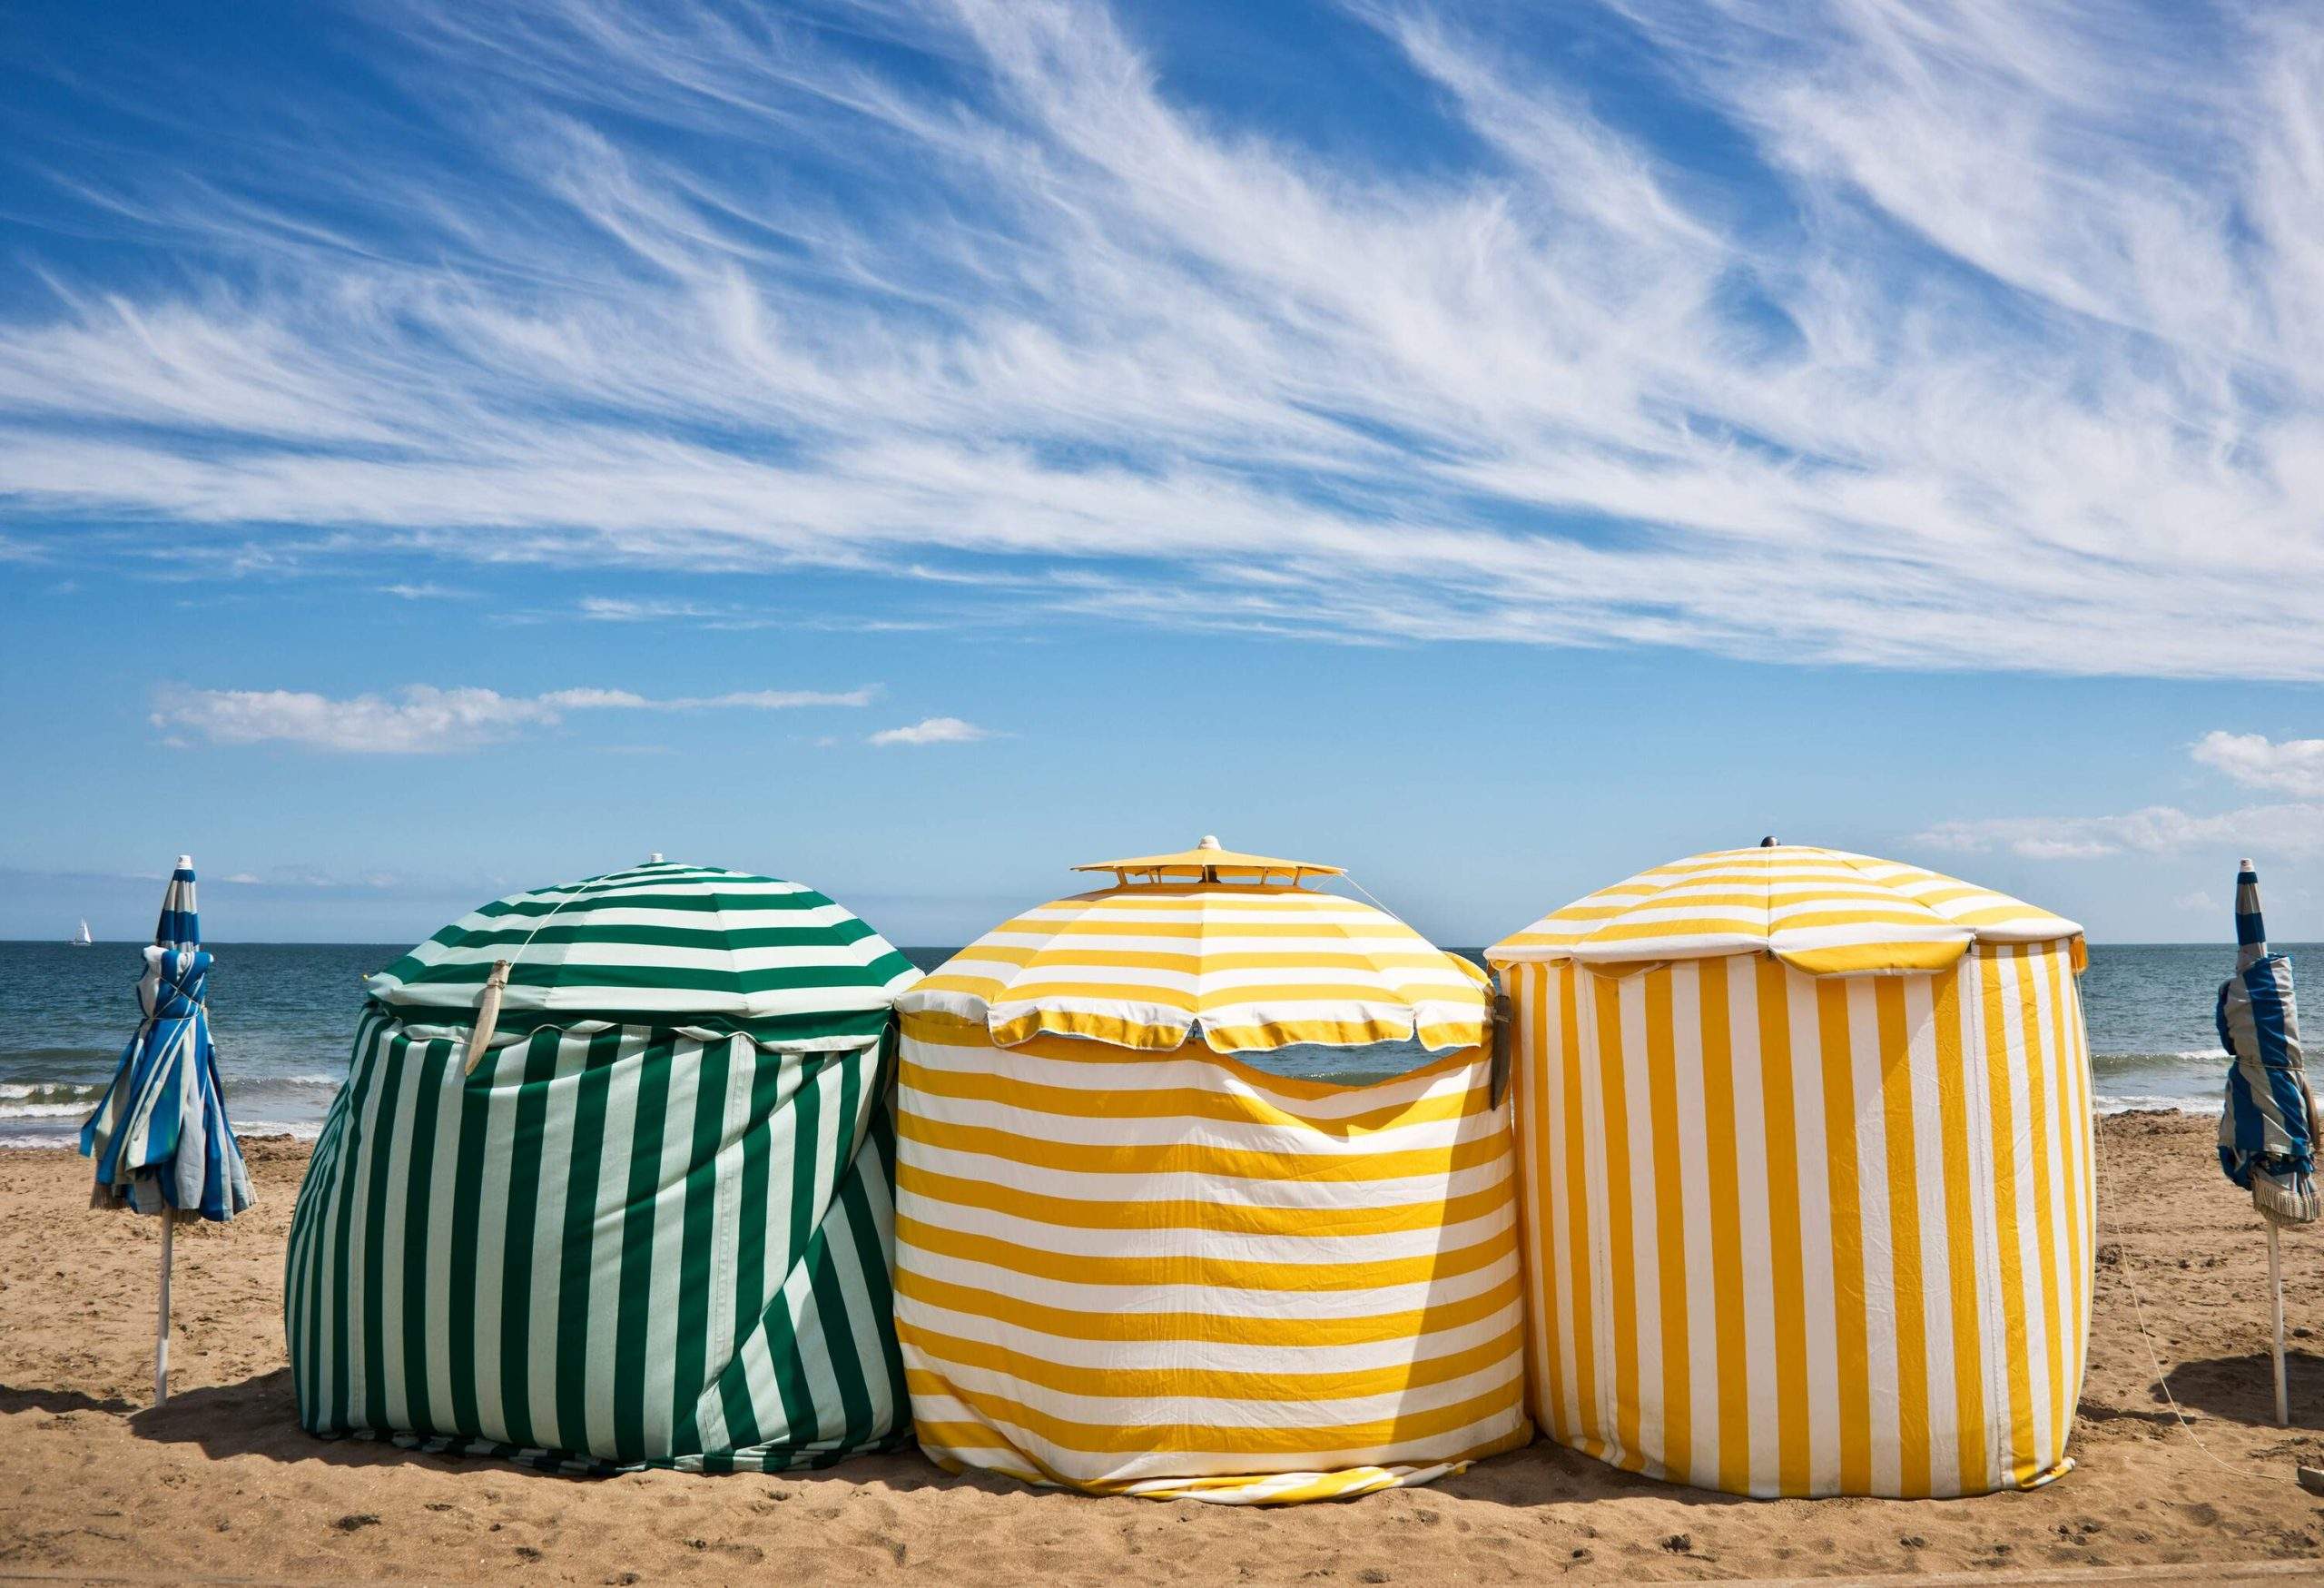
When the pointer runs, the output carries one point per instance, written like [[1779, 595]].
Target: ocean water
[[284, 1016]]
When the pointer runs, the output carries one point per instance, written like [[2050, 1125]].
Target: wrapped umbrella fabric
[[160, 1135], [2267, 1132]]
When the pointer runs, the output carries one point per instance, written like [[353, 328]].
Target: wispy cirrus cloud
[[933, 730], [1939, 356], [424, 719], [426, 592]]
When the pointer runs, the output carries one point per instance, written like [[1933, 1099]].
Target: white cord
[[2122, 1264]]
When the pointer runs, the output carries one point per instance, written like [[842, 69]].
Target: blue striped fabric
[[2266, 1130], [160, 1134]]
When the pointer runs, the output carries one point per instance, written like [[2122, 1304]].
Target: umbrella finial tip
[[1768, 842], [655, 858], [1209, 841], [2243, 865], [185, 862]]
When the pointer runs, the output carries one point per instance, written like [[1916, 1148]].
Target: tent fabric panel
[[653, 942], [1178, 1277], [1795, 1235], [1823, 910], [1256, 967], [621, 1249]]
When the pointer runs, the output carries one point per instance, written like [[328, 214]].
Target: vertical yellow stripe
[[1671, 1229], [1621, 1255], [1975, 1461], [2073, 1113], [1784, 1263], [1905, 1240], [1852, 1327], [2007, 1214], [2040, 1131], [1588, 1436], [1725, 1229], [1544, 1250]]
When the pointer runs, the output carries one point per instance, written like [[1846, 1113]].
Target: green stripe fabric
[[688, 948], [600, 1250]]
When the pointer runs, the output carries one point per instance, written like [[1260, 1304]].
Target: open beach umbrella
[[2268, 1131], [159, 1135]]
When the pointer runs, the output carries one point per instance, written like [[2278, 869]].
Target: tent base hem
[[1279, 1488], [570, 1463]]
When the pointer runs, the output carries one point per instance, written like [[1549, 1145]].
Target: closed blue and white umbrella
[[2267, 1139], [160, 1137], [2268, 1129]]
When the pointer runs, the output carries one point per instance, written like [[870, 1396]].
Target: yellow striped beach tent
[[1134, 1263], [640, 1215], [1808, 1188]]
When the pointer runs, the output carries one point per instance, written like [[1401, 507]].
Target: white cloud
[[934, 730], [2293, 827], [2290, 829], [422, 719], [2198, 903], [2014, 297], [2295, 766], [425, 593], [621, 609]]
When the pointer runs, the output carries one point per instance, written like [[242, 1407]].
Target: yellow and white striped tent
[[1807, 1193], [1129, 1263]]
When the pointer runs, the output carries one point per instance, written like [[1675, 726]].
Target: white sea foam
[[2103, 1104]]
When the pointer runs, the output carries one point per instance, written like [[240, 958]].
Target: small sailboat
[[82, 940]]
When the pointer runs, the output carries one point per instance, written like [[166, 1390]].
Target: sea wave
[[50, 1137], [52, 1091], [2103, 1104]]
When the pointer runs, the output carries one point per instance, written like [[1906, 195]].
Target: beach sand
[[222, 1483]]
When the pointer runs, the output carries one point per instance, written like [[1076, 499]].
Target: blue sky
[[912, 449]]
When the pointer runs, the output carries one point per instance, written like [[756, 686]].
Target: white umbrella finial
[[1209, 841], [185, 862], [655, 858]]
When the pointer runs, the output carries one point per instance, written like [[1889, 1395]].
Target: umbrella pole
[[162, 1324], [2276, 1299]]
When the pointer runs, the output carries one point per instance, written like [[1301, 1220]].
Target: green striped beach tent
[[636, 1215]]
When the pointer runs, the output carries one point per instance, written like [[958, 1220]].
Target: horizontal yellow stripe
[[1156, 1383], [1236, 1219], [1192, 1157], [1108, 1439], [1149, 1327], [1197, 924], [1114, 1031], [1187, 1269], [1176, 1102], [1061, 949], [941, 1027], [1111, 1030], [1036, 988], [1859, 958], [1760, 925]]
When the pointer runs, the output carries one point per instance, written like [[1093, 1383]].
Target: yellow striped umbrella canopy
[[1824, 911], [1258, 965]]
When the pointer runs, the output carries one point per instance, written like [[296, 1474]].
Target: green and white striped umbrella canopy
[[691, 948]]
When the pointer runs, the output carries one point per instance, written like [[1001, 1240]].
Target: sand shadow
[[259, 1416], [58, 1402], [2242, 1389], [1546, 1472]]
